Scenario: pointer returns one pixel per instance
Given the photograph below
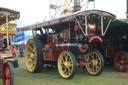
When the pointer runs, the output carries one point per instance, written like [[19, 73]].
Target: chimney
[[127, 9], [77, 6]]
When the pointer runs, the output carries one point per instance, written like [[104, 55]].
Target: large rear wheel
[[120, 61], [67, 64], [34, 56], [96, 62], [8, 74]]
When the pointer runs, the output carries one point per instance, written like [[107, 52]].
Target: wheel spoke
[[66, 57], [62, 61], [97, 57], [8, 77], [35, 56], [92, 68], [97, 68], [32, 65], [98, 63], [86, 58], [29, 60], [64, 69], [35, 62], [70, 69], [34, 50], [28, 53], [124, 67], [70, 60], [92, 56], [30, 48]]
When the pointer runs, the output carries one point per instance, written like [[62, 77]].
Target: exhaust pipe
[[77, 6]]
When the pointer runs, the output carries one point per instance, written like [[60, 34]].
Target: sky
[[32, 11]]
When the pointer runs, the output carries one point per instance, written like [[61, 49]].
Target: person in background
[[13, 52], [21, 51]]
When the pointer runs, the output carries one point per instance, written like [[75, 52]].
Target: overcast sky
[[32, 11]]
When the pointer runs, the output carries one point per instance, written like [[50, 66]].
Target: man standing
[[21, 51]]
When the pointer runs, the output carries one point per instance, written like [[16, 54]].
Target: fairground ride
[[60, 7], [7, 30]]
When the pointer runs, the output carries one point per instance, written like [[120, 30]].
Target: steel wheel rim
[[30, 55], [120, 62], [65, 65], [6, 75], [95, 62]]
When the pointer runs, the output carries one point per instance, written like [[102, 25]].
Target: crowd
[[21, 51]]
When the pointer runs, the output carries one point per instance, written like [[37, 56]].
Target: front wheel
[[67, 64], [96, 62], [120, 61], [8, 74]]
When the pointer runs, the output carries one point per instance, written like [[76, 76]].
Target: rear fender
[[95, 39]]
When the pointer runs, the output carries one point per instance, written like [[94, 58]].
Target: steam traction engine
[[114, 47], [68, 41]]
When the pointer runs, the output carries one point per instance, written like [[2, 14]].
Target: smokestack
[[127, 8], [77, 6]]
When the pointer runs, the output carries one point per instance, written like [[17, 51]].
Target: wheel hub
[[122, 61], [32, 55], [66, 64], [94, 62]]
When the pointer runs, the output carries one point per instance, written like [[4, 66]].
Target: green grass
[[51, 77]]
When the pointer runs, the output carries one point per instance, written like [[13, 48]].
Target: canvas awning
[[117, 24], [117, 27], [67, 18], [12, 15]]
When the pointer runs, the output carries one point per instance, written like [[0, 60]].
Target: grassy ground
[[51, 77]]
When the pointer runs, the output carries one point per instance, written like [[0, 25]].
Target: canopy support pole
[[107, 27], [69, 29], [86, 26], [80, 26], [102, 26], [7, 31]]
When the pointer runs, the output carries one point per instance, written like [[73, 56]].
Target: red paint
[[82, 49], [49, 39], [76, 28], [95, 39], [65, 46], [6, 74], [55, 54], [46, 46], [81, 63]]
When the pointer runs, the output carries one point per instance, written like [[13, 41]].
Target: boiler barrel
[[75, 48]]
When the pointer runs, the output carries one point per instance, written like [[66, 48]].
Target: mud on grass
[[110, 76]]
